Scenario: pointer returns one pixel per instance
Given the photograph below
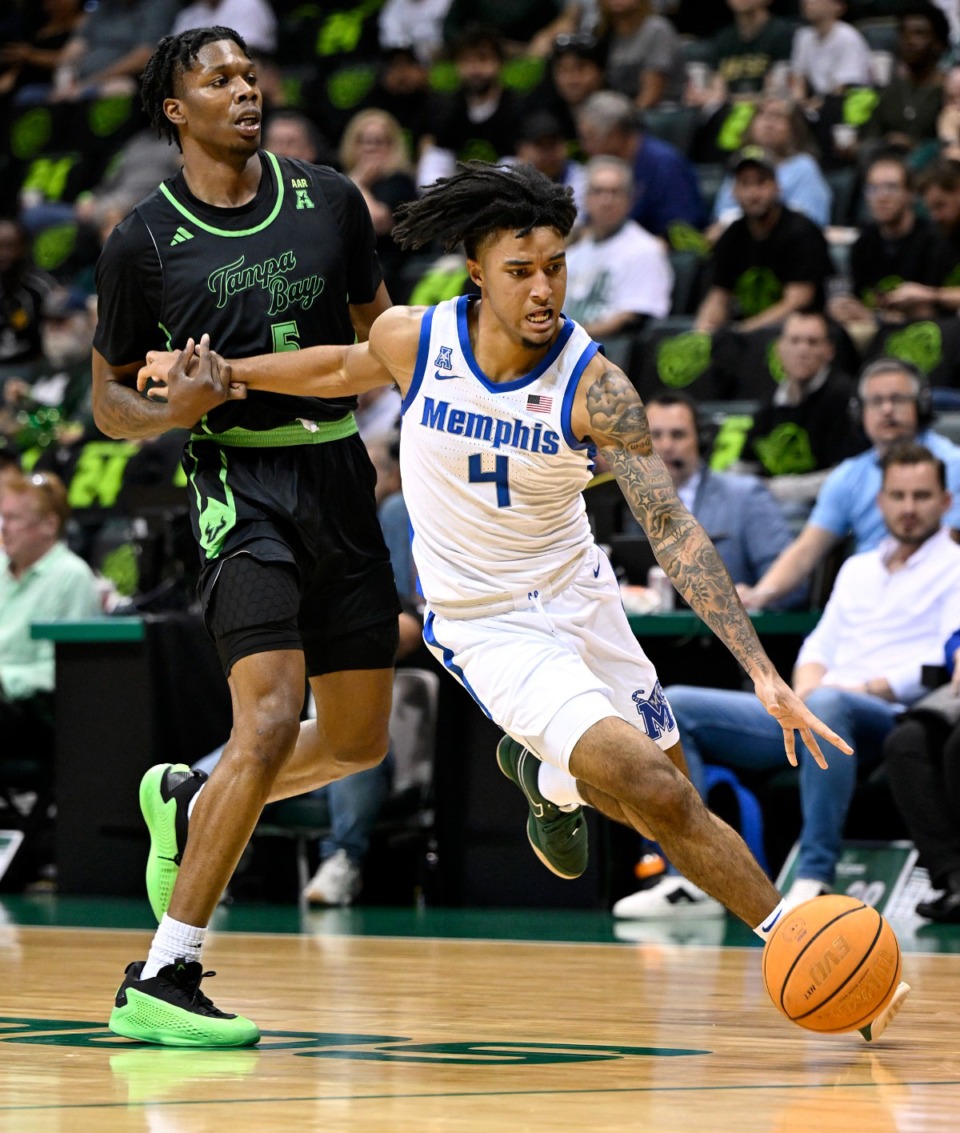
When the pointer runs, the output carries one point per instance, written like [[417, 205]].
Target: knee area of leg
[[827, 701]]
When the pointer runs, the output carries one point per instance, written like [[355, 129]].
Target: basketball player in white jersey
[[505, 402]]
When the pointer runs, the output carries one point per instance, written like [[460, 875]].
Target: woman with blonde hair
[[374, 154]]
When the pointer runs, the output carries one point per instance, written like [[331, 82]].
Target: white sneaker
[[872, 1031], [336, 882], [804, 889], [671, 896]]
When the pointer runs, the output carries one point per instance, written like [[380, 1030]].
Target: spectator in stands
[[136, 169], [802, 429], [254, 20], [515, 23], [922, 760], [578, 19], [780, 127], [743, 54], [40, 579], [23, 290], [769, 262], [618, 275], [746, 524], [909, 106], [402, 85], [480, 119], [288, 133], [644, 59], [575, 73], [894, 405], [940, 191], [948, 122], [28, 64], [667, 192], [829, 55], [890, 612], [541, 143], [111, 48], [897, 246], [414, 25], [374, 155]]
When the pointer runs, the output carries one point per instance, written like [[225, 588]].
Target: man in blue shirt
[[666, 183], [894, 401]]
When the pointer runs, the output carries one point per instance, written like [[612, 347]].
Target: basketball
[[832, 964]]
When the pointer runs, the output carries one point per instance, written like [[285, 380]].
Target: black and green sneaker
[[558, 837], [165, 793], [170, 1009]]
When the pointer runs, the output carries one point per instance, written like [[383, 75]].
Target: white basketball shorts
[[548, 673]]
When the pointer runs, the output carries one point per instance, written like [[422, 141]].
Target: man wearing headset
[[893, 403]]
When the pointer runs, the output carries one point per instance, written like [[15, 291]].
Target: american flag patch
[[537, 403]]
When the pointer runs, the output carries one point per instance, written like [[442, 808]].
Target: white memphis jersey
[[492, 473]]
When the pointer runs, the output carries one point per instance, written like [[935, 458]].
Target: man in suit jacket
[[745, 522]]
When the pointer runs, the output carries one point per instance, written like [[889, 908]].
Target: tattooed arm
[[610, 412]]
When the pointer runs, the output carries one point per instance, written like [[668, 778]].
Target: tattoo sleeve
[[618, 426], [123, 413]]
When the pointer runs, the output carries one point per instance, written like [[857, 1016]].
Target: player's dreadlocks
[[480, 199], [175, 54]]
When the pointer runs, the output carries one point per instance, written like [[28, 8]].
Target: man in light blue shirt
[[894, 400]]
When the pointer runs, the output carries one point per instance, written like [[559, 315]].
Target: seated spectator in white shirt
[[255, 20], [829, 55], [617, 273]]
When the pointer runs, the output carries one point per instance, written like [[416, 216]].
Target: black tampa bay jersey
[[275, 274]]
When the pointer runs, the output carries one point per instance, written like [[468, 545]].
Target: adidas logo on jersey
[[180, 236]]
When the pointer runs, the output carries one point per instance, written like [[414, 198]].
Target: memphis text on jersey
[[499, 433]]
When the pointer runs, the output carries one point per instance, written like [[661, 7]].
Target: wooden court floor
[[403, 1034]]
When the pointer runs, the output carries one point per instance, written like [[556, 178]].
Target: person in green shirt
[[40, 578]]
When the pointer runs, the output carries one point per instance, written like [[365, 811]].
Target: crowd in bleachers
[[394, 92], [768, 195]]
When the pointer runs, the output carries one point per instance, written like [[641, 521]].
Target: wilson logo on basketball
[[828, 961]]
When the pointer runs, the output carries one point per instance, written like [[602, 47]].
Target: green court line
[[467, 1094]]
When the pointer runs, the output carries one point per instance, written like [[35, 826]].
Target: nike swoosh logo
[[444, 377], [773, 920], [596, 573]]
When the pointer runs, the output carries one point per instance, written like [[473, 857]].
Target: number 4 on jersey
[[499, 476]]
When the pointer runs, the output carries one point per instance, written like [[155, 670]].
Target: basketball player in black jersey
[[266, 254]]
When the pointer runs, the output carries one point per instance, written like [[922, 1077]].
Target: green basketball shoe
[[165, 793], [170, 1009], [558, 837]]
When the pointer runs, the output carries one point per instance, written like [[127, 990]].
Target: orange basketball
[[832, 964]]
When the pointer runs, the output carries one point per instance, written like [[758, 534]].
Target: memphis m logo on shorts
[[656, 716]]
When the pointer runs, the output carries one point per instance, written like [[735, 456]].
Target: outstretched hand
[[793, 715]]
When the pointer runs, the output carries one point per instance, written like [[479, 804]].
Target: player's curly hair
[[480, 199], [174, 55]]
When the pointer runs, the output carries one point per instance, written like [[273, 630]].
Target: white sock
[[770, 922], [559, 787], [173, 940], [193, 802]]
